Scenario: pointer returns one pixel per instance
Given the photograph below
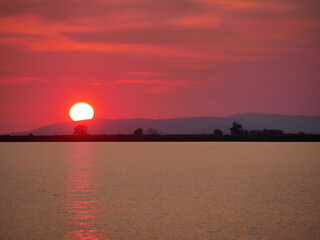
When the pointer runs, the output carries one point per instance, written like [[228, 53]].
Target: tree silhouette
[[236, 129], [217, 132], [80, 130], [138, 132], [152, 131]]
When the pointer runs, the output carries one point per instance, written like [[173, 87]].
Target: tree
[[236, 129], [81, 130], [217, 132], [152, 131], [138, 132]]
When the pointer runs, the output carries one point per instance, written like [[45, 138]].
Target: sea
[[144, 190]]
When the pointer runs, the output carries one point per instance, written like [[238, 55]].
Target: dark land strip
[[162, 138]]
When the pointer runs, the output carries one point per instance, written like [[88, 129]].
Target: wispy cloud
[[145, 74], [24, 80], [158, 86], [212, 29]]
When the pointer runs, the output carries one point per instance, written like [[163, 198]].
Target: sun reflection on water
[[84, 217]]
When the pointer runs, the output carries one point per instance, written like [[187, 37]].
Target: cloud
[[145, 74], [4, 71], [71, 10], [154, 35], [212, 29], [58, 10], [158, 86], [204, 30], [20, 80], [133, 82]]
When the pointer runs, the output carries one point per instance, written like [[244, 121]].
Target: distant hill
[[287, 123], [194, 125]]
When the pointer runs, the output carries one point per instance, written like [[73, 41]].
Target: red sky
[[157, 59]]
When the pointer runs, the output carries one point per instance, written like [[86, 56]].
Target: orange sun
[[81, 111]]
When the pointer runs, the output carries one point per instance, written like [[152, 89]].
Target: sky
[[157, 58]]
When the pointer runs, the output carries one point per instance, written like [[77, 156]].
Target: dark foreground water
[[160, 191]]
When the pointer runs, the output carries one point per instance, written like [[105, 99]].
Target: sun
[[81, 111]]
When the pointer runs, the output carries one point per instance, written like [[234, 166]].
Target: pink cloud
[[145, 74], [158, 86], [215, 30], [18, 80]]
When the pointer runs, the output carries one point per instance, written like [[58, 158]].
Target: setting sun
[[81, 111]]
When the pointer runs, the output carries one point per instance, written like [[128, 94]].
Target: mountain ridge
[[191, 125]]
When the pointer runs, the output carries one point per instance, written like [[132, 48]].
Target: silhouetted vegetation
[[152, 131], [236, 129], [152, 135], [267, 132], [217, 132], [163, 138], [80, 130], [138, 132]]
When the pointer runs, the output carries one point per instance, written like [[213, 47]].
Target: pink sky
[[157, 59]]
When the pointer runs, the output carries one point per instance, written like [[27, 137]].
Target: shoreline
[[162, 138]]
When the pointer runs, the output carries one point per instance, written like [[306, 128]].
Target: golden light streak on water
[[81, 203]]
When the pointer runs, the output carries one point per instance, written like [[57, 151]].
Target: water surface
[[160, 190]]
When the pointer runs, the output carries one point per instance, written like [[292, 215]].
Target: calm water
[[160, 191]]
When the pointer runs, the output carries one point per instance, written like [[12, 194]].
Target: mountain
[[194, 125], [287, 123]]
